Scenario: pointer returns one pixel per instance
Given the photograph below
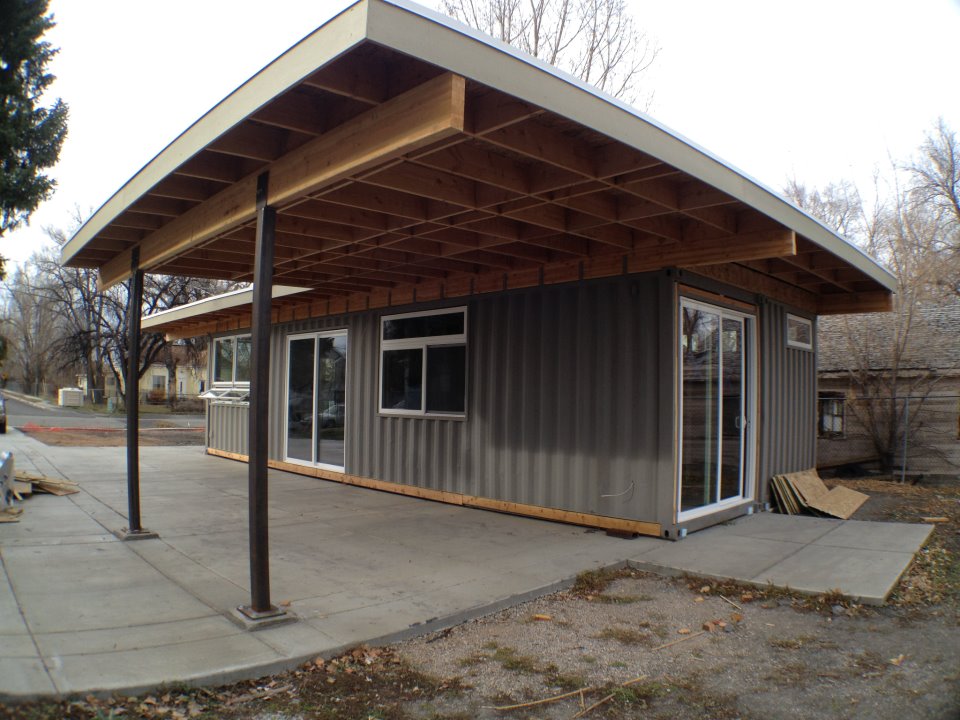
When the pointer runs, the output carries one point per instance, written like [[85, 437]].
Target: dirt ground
[[113, 437], [628, 645]]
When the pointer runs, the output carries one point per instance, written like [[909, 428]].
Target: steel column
[[135, 531], [260, 606]]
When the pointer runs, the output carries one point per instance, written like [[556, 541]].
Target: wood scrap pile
[[26, 484], [803, 493], [32, 483]]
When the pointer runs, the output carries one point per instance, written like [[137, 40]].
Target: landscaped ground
[[113, 437], [631, 645]]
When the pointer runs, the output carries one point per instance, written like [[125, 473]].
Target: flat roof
[[405, 149], [210, 306]]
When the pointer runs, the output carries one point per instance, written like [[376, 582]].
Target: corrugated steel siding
[[562, 402], [564, 389], [227, 427], [788, 399]]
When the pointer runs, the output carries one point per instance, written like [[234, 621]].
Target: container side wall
[[788, 399]]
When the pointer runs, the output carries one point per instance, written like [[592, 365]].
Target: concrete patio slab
[[895, 537], [867, 576], [716, 553], [82, 612], [783, 528]]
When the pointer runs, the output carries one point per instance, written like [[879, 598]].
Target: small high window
[[231, 360], [423, 363], [799, 332], [831, 411]]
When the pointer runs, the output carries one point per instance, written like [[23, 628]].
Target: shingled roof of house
[[867, 340]]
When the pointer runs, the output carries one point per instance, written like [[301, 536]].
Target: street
[[20, 413]]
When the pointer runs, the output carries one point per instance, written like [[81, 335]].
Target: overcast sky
[[820, 90]]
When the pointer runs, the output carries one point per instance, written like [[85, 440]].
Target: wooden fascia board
[[863, 302], [427, 113]]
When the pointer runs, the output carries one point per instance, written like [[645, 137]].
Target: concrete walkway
[[81, 611]]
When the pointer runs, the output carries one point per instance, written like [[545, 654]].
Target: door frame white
[[286, 400], [749, 404]]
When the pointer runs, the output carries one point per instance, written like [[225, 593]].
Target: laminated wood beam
[[862, 302], [756, 281], [217, 167], [777, 243], [405, 123]]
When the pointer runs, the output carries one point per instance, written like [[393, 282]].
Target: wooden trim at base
[[566, 516]]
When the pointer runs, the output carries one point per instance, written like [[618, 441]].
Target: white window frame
[[797, 344], [422, 343], [227, 395], [232, 383], [748, 407], [286, 401]]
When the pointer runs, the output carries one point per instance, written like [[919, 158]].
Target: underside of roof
[[411, 159]]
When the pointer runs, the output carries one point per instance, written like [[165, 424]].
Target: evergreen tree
[[31, 135]]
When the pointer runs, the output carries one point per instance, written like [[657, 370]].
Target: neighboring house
[[504, 289], [191, 379], [856, 378]]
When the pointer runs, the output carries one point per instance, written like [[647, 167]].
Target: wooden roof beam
[[216, 167], [409, 121], [861, 302], [750, 246]]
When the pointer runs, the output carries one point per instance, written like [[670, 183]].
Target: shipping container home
[[500, 287]]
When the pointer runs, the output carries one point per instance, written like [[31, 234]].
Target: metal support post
[[135, 530], [260, 607]]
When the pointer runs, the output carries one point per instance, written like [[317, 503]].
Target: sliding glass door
[[716, 407], [316, 399]]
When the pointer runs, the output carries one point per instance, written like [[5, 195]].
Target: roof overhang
[[229, 305], [411, 158]]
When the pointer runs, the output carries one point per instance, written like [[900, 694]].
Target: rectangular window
[[830, 412], [423, 363], [799, 333], [231, 361], [159, 382]]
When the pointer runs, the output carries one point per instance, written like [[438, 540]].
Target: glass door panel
[[732, 430], [300, 391], [700, 364], [331, 399], [715, 402]]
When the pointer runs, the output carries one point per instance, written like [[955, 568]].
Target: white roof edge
[[322, 45], [224, 301], [432, 37], [599, 111]]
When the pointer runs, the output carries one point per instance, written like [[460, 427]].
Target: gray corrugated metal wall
[[227, 427], [562, 403], [565, 386], [788, 399]]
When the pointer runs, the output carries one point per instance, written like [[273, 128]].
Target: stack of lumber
[[804, 493], [27, 483]]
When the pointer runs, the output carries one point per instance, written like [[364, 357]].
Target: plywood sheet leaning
[[839, 502], [786, 497]]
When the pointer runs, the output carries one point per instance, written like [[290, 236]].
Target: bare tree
[[81, 308], [596, 40], [904, 230], [935, 183], [31, 328], [93, 324]]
